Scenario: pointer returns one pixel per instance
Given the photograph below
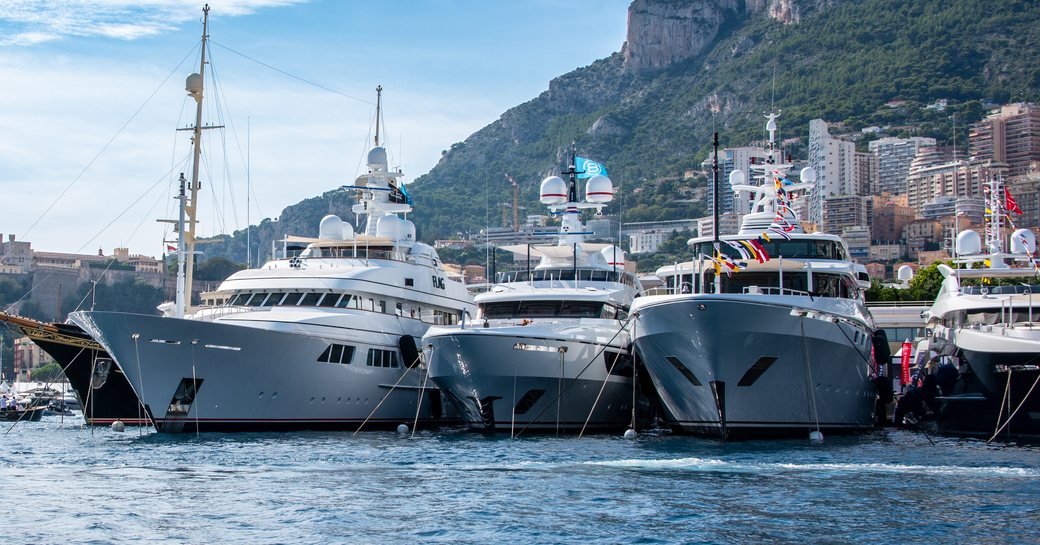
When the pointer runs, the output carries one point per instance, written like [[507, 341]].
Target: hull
[[546, 378], [110, 398], [32, 414], [212, 376], [1000, 379], [732, 366]]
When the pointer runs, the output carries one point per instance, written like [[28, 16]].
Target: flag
[[1010, 204], [511, 180], [588, 168], [905, 361], [171, 248]]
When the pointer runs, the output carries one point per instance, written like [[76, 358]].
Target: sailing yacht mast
[[190, 207]]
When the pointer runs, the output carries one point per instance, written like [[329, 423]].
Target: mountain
[[647, 110]]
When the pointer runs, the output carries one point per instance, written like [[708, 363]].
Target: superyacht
[[326, 339], [766, 332], [549, 349]]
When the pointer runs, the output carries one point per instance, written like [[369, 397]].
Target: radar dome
[[330, 228], [193, 84], [808, 174], [614, 256], [390, 226], [553, 191], [1023, 241], [968, 243], [348, 231], [377, 158], [407, 231], [737, 177], [599, 189], [905, 273]]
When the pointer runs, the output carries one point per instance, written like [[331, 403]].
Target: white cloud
[[34, 22]]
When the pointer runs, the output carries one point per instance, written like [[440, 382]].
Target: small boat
[[766, 333], [550, 347], [14, 411]]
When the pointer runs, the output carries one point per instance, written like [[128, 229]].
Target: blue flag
[[589, 168]]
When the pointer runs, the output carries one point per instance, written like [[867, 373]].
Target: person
[[3, 403]]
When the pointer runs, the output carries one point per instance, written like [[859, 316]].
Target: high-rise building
[[865, 175], [890, 216], [846, 211], [833, 161], [1026, 192], [1010, 135], [894, 156], [731, 159]]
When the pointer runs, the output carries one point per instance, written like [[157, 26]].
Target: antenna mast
[[379, 101]]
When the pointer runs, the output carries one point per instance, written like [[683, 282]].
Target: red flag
[[905, 357], [171, 248], [1010, 203]]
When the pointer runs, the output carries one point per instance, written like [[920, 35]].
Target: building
[[27, 357], [857, 241], [865, 173], [921, 234], [670, 226], [877, 271], [16, 256], [968, 207], [729, 224], [894, 156], [833, 160], [1026, 191], [890, 216], [1010, 135], [847, 211], [646, 241], [731, 159], [887, 252]]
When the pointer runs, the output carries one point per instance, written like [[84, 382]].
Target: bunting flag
[[763, 254], [171, 248], [744, 254], [1010, 204], [762, 257]]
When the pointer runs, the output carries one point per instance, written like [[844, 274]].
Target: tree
[[48, 373]]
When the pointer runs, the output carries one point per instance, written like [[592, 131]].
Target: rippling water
[[62, 483]]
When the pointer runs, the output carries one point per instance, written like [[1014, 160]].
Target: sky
[[92, 92]]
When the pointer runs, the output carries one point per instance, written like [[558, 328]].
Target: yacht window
[[310, 300], [400, 311], [238, 299], [329, 300], [382, 307], [537, 308], [609, 312], [580, 309], [291, 299], [344, 302], [381, 358], [272, 300], [256, 299], [337, 353]]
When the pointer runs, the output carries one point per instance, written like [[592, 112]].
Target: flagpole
[[715, 209]]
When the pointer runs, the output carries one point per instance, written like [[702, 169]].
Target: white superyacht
[[323, 340], [549, 349], [984, 329], [767, 333]]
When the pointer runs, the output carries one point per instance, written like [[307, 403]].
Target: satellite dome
[[737, 177], [390, 226], [614, 256], [905, 273], [808, 174], [348, 231], [407, 231], [968, 243], [377, 158], [193, 84], [330, 228], [553, 191], [599, 189], [1023, 241]]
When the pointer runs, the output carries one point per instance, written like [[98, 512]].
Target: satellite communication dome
[[599, 189], [193, 84], [390, 226], [348, 231], [614, 256], [737, 177], [377, 158], [330, 228], [905, 273], [553, 191], [968, 243], [808, 174], [407, 230], [1023, 241]]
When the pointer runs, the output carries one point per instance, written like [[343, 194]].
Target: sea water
[[63, 483]]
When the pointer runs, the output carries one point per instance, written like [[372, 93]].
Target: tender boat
[[549, 349], [766, 332], [323, 340]]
